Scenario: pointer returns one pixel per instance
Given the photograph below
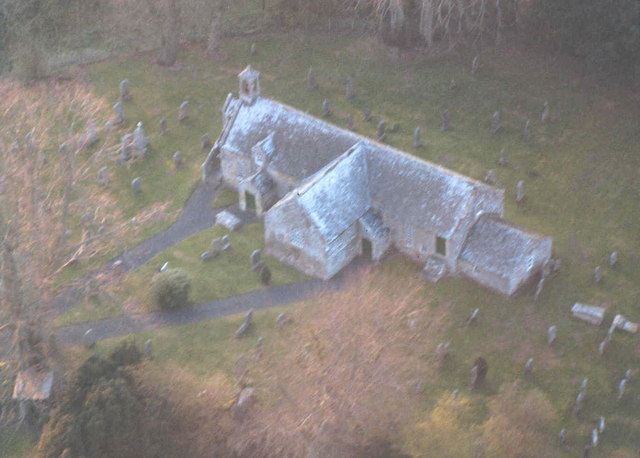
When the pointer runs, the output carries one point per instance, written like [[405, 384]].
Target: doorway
[[367, 249], [250, 202]]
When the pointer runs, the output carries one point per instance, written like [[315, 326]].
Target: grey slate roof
[[338, 195], [262, 181], [500, 246], [373, 223], [403, 187]]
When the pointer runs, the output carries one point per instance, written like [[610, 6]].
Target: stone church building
[[328, 195]]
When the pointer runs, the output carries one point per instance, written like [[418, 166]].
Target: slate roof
[[373, 223], [500, 246], [338, 195], [403, 187], [262, 181]]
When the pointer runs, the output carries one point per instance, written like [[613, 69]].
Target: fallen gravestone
[[245, 324], [620, 322], [589, 313]]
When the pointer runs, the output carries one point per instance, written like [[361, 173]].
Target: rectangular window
[[441, 245]]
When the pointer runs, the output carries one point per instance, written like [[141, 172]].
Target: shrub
[[126, 354], [170, 289]]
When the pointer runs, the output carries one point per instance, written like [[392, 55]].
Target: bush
[[170, 289], [126, 354]]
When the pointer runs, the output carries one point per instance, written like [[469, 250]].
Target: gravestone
[[91, 136], [124, 91], [442, 354], [381, 134], [148, 349], [282, 319], [627, 374], [552, 334], [563, 436], [446, 121], [577, 407], [621, 387], [241, 407], [350, 121], [594, 437], [602, 347], [245, 324], [311, 80], [136, 185], [502, 158], [255, 259], [366, 113], [126, 145], [544, 117], [620, 322], [490, 177], [589, 313], [177, 159], [613, 259], [140, 141], [475, 65], [583, 385], [479, 372], [119, 112], [220, 244], [496, 123], [473, 317], [526, 132], [452, 84], [601, 424], [164, 267], [252, 49], [103, 176], [348, 90], [205, 143], [89, 339], [183, 111], [417, 140], [326, 109], [597, 274], [528, 367], [163, 127], [208, 255], [520, 191], [265, 274], [108, 125]]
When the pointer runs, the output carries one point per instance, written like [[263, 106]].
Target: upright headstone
[[366, 113], [311, 80], [89, 338], [381, 130], [255, 259], [163, 127], [552, 334], [577, 407], [452, 84], [597, 274], [205, 143], [348, 90], [148, 349], [442, 354], [528, 367], [601, 424], [613, 259], [177, 159], [91, 136], [621, 387], [140, 141], [136, 185], [490, 177], [473, 318], [245, 324], [446, 121], [502, 158], [417, 140], [544, 117], [496, 122], [475, 65], [103, 176], [350, 121], [563, 436], [252, 49], [124, 90], [602, 347], [126, 145], [526, 132], [594, 438], [520, 191], [183, 111], [119, 112], [326, 109], [479, 372]]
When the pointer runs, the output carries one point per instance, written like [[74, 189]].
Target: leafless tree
[[170, 34]]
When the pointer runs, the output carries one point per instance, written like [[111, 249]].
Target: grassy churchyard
[[581, 176]]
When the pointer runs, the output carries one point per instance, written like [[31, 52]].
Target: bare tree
[[170, 34], [215, 28]]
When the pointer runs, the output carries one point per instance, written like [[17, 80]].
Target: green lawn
[[228, 274], [581, 173]]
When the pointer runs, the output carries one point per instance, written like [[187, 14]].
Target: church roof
[[501, 247]]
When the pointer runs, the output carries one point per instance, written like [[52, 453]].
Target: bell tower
[[249, 85]]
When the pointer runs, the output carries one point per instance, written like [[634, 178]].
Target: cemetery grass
[[581, 185], [225, 198], [226, 275]]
